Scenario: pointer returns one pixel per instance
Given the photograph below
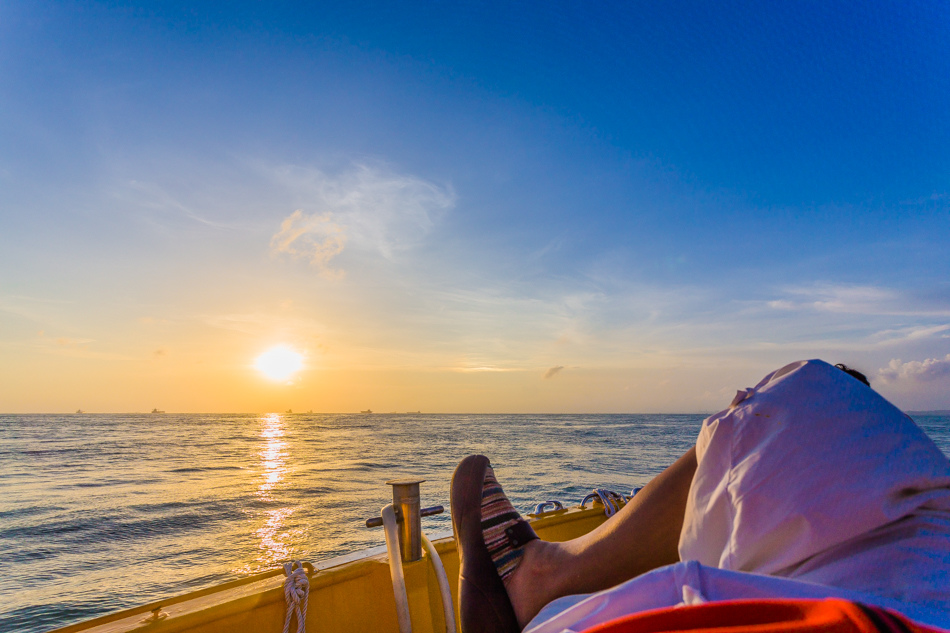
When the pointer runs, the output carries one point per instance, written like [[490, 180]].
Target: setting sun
[[279, 363]]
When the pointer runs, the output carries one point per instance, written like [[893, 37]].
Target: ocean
[[103, 512]]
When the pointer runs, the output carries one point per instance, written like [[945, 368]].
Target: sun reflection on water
[[275, 542], [272, 455]]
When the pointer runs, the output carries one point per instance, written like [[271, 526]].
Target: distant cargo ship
[[367, 411], [157, 411]]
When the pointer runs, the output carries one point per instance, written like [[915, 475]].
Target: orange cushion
[[831, 615]]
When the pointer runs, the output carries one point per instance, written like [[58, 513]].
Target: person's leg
[[642, 536]]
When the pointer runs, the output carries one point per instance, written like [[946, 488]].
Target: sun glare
[[279, 363]]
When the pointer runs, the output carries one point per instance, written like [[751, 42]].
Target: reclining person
[[809, 485]]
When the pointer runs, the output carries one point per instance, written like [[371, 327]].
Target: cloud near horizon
[[915, 370], [825, 297], [856, 299], [554, 371]]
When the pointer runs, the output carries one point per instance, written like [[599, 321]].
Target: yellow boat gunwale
[[346, 593]]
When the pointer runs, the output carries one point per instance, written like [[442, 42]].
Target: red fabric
[[831, 615]]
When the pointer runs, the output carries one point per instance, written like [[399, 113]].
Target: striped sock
[[498, 515]]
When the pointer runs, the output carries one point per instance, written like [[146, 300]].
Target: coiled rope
[[612, 501], [543, 507], [296, 595]]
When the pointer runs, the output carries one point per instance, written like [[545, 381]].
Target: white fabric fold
[[814, 475], [666, 586], [810, 484]]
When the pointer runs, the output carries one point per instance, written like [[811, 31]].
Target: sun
[[279, 362]]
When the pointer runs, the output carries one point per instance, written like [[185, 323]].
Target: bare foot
[[532, 584]]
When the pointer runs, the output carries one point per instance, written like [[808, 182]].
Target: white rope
[[296, 591], [448, 608], [395, 569], [554, 503], [612, 500]]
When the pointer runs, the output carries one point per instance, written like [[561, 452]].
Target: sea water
[[104, 512]]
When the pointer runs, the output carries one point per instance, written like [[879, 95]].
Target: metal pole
[[406, 502]]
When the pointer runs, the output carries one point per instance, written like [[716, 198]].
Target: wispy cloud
[[836, 298], [314, 237], [62, 341], [551, 373], [907, 334], [153, 197], [370, 208], [262, 323], [915, 370], [72, 347], [853, 299]]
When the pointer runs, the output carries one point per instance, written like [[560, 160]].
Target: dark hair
[[853, 373]]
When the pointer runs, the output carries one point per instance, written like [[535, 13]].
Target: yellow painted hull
[[349, 594]]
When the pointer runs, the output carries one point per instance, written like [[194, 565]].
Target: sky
[[469, 207]]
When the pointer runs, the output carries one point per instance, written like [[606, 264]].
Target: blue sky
[[665, 201]]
